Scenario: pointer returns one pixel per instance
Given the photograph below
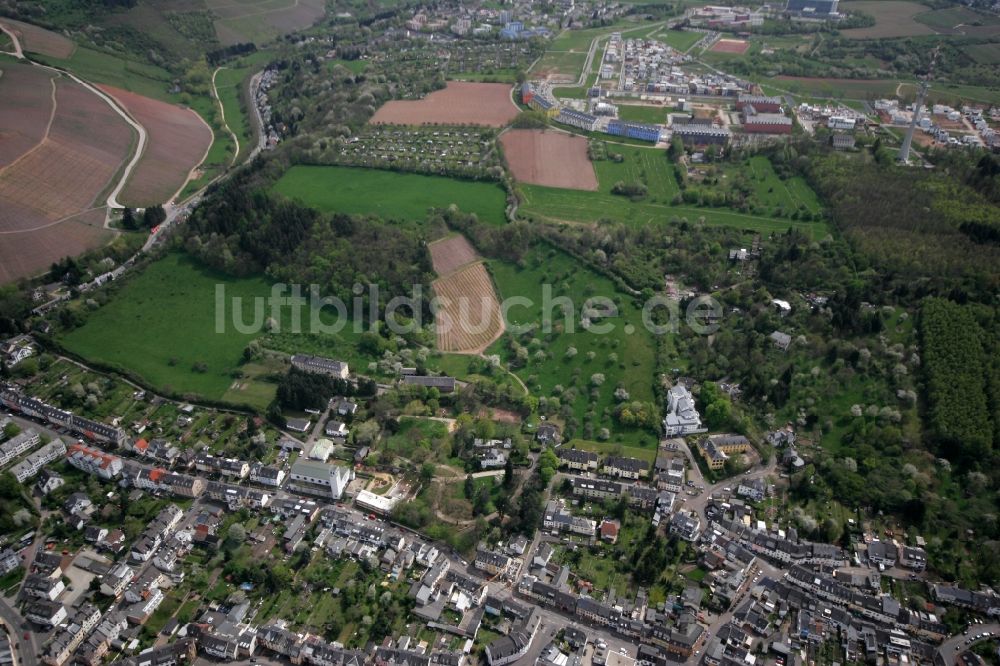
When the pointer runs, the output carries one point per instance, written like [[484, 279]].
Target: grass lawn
[[656, 115], [399, 195], [163, 321], [99, 67], [647, 453], [790, 194], [682, 40], [629, 340]]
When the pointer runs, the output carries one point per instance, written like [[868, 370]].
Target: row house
[[236, 497], [65, 643], [33, 464], [114, 582], [579, 460], [230, 467], [182, 651], [267, 475], [18, 445], [99, 642], [94, 461], [625, 468], [37, 586]]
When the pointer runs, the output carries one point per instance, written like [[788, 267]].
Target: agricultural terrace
[[50, 194], [579, 369], [25, 254], [178, 140], [458, 103], [399, 195], [465, 151], [161, 327], [651, 168], [451, 253], [468, 318], [34, 39], [28, 100], [550, 158], [893, 18], [240, 21]]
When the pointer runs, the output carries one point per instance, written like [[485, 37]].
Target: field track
[[34, 39], [178, 142], [553, 159], [459, 103], [28, 108]]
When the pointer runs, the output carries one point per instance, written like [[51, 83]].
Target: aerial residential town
[[566, 333]]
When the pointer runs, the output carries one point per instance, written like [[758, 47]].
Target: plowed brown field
[[459, 103], [27, 94], [28, 253], [554, 159], [450, 253], [468, 318], [177, 141]]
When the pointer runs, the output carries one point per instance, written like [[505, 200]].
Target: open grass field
[[643, 113], [459, 103], [791, 194], [415, 433], [178, 140], [39, 40], [682, 40], [399, 195], [624, 356], [893, 18], [649, 166], [647, 453], [451, 253], [554, 159], [28, 95], [823, 87], [961, 21], [230, 85], [984, 54], [163, 322], [468, 319], [99, 67], [260, 21]]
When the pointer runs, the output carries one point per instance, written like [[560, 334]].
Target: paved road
[[28, 651], [955, 645]]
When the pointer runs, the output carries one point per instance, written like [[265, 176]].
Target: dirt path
[[222, 112], [196, 167], [18, 52]]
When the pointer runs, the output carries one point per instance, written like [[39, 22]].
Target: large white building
[[320, 478], [682, 417]]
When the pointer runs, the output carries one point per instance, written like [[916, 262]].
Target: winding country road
[[222, 112]]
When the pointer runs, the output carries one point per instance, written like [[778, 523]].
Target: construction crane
[[904, 151]]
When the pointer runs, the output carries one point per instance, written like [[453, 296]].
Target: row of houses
[[18, 445], [617, 466], [89, 429], [37, 460]]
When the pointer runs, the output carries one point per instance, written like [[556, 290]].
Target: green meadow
[[651, 167], [625, 356], [389, 194]]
